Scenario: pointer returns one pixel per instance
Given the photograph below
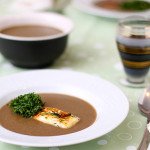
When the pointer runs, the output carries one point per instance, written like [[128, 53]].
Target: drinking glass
[[133, 42], [59, 5]]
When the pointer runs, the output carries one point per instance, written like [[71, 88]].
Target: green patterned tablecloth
[[92, 49]]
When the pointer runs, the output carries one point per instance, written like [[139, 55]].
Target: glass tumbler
[[133, 43]]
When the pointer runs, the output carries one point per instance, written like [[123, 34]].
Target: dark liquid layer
[[31, 31], [74, 105], [137, 57]]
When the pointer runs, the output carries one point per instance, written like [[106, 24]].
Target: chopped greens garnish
[[27, 105], [135, 5]]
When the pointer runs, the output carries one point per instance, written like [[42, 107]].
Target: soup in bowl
[[34, 40]]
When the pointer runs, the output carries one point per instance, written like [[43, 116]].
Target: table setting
[[73, 48]]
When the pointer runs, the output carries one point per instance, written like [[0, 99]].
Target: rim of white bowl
[[46, 19]]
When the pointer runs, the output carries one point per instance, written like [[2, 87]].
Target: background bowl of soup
[[34, 40]]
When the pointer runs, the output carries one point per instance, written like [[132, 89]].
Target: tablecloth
[[91, 49]]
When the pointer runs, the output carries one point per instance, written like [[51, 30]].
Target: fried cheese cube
[[57, 117]]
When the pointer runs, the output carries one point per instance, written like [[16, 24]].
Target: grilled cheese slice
[[57, 118]]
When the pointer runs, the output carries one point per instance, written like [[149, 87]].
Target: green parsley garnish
[[135, 5], [27, 105]]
